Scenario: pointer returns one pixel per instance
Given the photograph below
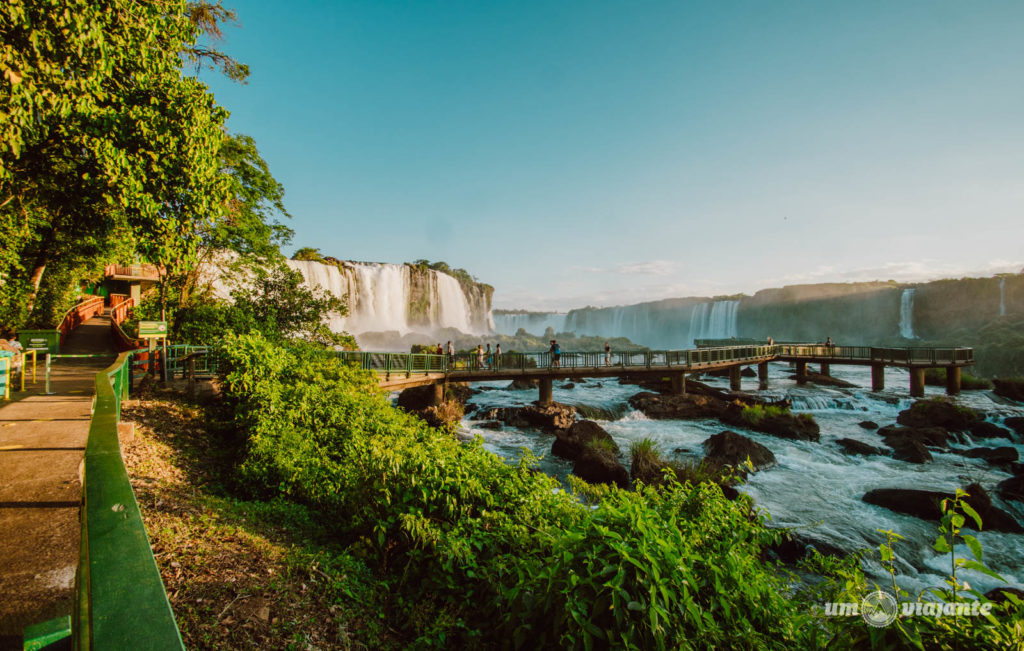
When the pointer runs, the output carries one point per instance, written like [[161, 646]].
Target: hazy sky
[[574, 153]]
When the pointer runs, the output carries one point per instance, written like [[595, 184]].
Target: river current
[[815, 486]]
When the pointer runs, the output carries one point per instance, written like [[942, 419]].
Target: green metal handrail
[[120, 600]]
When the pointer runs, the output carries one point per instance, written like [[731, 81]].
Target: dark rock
[[550, 417], [748, 372], [853, 446], [590, 412], [570, 443], [986, 430], [1012, 389], [416, 399], [939, 412], [522, 384], [568, 385], [674, 407], [1016, 423], [599, 465], [995, 456], [491, 424], [998, 595], [460, 392], [796, 546], [926, 505], [799, 427], [826, 380], [731, 449], [729, 492], [933, 436], [911, 451], [868, 424], [1012, 488]]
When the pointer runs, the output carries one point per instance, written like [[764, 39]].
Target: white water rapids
[[815, 486]]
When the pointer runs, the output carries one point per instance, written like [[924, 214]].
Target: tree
[[308, 254]]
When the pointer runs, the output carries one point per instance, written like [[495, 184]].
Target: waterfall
[[907, 314], [1002, 296], [533, 322], [714, 320], [397, 297]]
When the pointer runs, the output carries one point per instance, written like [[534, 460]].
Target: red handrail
[[79, 314]]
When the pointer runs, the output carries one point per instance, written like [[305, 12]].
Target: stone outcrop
[[798, 427], [550, 417], [868, 424], [986, 430], [853, 446], [674, 407], [570, 443], [522, 384], [1012, 389], [599, 465], [731, 449], [939, 412], [995, 456], [936, 437], [927, 506], [1012, 488], [1016, 423]]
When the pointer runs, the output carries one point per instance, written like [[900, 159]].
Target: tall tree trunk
[[36, 280]]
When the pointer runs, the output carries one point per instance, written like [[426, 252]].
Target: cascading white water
[[453, 308], [533, 322], [907, 314], [714, 320], [380, 297], [1002, 297]]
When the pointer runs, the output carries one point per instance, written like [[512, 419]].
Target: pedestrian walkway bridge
[[402, 370]]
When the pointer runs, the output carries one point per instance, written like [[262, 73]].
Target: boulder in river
[[677, 407], [911, 451], [926, 505], [731, 449], [550, 417], [868, 424], [995, 456], [1012, 389], [935, 437], [986, 430], [939, 412], [780, 423], [569, 444], [522, 384], [853, 446], [598, 464], [1016, 423], [1012, 488]]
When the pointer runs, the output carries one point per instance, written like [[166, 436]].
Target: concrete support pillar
[[917, 382], [877, 377], [762, 375], [438, 397], [679, 384], [801, 372], [545, 391], [953, 380], [825, 368], [734, 378]]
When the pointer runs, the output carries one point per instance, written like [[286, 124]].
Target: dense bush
[[479, 553]]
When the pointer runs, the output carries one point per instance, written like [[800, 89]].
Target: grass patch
[[243, 574], [968, 382]]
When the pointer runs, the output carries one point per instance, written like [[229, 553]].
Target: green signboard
[[149, 329]]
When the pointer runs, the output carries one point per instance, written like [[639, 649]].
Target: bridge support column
[[762, 375], [877, 377], [734, 378], [545, 391], [917, 382], [438, 397], [952, 380], [801, 372], [679, 384], [825, 368]]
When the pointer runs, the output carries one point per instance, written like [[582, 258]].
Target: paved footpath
[[42, 446]]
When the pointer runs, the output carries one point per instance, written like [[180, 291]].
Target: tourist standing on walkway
[[490, 358], [479, 356], [555, 352], [607, 353], [497, 356], [439, 350], [451, 353]]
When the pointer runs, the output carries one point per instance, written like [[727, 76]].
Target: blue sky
[[574, 153]]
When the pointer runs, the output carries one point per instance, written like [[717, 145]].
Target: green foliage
[[308, 254], [968, 382], [755, 414], [274, 302], [481, 553]]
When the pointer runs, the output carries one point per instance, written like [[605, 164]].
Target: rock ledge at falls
[[926, 505]]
